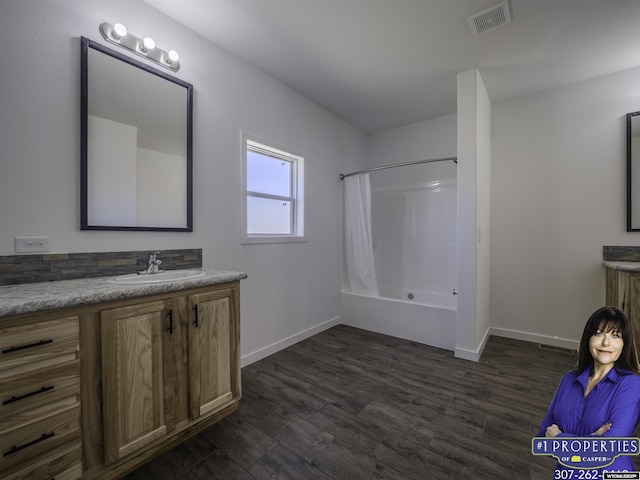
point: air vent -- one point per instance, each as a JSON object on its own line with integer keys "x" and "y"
{"x": 490, "y": 19}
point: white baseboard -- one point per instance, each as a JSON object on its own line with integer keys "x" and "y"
{"x": 472, "y": 355}
{"x": 459, "y": 352}
{"x": 264, "y": 352}
{"x": 535, "y": 338}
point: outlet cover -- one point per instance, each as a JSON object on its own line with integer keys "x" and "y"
{"x": 31, "y": 244}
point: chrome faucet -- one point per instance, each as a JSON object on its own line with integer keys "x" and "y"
{"x": 153, "y": 264}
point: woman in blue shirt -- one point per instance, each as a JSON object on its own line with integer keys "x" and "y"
{"x": 601, "y": 396}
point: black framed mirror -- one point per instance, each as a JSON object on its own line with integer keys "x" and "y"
{"x": 136, "y": 145}
{"x": 633, "y": 172}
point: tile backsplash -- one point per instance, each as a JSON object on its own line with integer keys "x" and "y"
{"x": 621, "y": 254}
{"x": 15, "y": 269}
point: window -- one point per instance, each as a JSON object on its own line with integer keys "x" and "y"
{"x": 273, "y": 194}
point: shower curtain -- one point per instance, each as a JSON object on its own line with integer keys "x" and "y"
{"x": 361, "y": 274}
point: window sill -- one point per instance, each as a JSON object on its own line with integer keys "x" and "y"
{"x": 257, "y": 239}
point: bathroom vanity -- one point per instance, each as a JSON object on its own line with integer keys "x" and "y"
{"x": 97, "y": 378}
{"x": 623, "y": 288}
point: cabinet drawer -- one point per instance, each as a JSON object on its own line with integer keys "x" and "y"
{"x": 73, "y": 473}
{"x": 29, "y": 442}
{"x": 37, "y": 345}
{"x": 25, "y": 397}
{"x": 64, "y": 463}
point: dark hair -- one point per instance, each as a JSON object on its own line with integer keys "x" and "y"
{"x": 609, "y": 319}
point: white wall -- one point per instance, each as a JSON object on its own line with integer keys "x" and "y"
{"x": 434, "y": 138}
{"x": 292, "y": 289}
{"x": 483, "y": 212}
{"x": 111, "y": 172}
{"x": 158, "y": 202}
{"x": 474, "y": 232}
{"x": 558, "y": 195}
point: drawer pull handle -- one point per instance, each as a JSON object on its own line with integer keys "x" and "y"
{"x": 17, "y": 448}
{"x": 16, "y": 398}
{"x": 195, "y": 310}
{"x": 170, "y": 313}
{"x": 29, "y": 345}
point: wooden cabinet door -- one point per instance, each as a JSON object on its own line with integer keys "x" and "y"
{"x": 175, "y": 363}
{"x": 132, "y": 373}
{"x": 623, "y": 291}
{"x": 633, "y": 307}
{"x": 211, "y": 355}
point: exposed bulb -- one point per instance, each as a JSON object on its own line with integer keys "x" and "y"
{"x": 172, "y": 56}
{"x": 119, "y": 31}
{"x": 148, "y": 44}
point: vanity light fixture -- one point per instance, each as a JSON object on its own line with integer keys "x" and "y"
{"x": 118, "y": 35}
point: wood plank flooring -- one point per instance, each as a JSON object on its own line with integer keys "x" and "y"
{"x": 351, "y": 404}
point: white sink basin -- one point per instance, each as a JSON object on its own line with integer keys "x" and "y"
{"x": 162, "y": 277}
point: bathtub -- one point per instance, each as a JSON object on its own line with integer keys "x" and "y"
{"x": 429, "y": 318}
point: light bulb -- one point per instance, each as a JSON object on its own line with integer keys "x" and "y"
{"x": 172, "y": 56}
{"x": 119, "y": 31}
{"x": 148, "y": 44}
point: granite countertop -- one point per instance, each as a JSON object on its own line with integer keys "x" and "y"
{"x": 626, "y": 266}
{"x": 35, "y": 297}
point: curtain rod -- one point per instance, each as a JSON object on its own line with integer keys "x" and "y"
{"x": 345, "y": 175}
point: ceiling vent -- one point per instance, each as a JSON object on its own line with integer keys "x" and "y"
{"x": 490, "y": 19}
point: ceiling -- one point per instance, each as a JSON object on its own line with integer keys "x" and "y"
{"x": 381, "y": 64}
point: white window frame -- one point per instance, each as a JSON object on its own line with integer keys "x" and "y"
{"x": 250, "y": 142}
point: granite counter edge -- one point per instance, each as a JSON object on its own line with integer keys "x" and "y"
{"x": 623, "y": 266}
{"x": 35, "y": 297}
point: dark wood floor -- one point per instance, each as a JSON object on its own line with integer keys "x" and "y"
{"x": 351, "y": 404}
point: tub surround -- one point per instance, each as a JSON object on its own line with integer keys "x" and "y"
{"x": 37, "y": 297}
{"x": 428, "y": 324}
